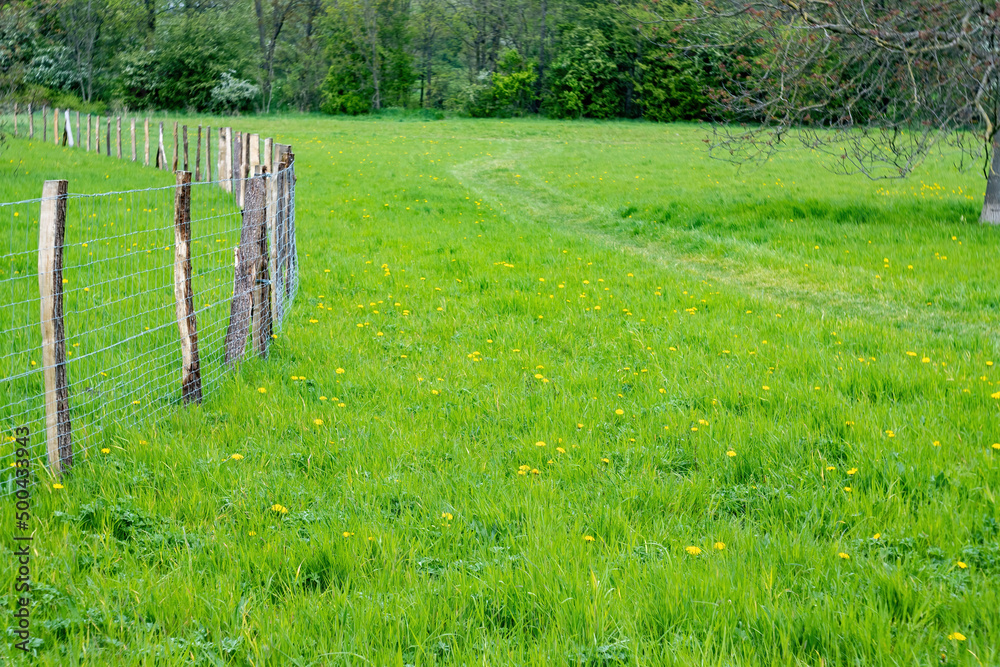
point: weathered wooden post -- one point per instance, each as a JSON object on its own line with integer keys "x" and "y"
{"x": 31, "y": 121}
{"x": 197, "y": 157}
{"x": 183, "y": 295}
{"x": 177, "y": 146}
{"x": 208, "y": 153}
{"x": 68, "y": 139}
{"x": 107, "y": 137}
{"x": 272, "y": 221}
{"x": 186, "y": 148}
{"x": 161, "y": 152}
{"x": 145, "y": 151}
{"x": 262, "y": 325}
{"x": 254, "y": 156}
{"x": 45, "y": 123}
{"x": 55, "y": 126}
{"x": 247, "y": 261}
{"x": 223, "y": 160}
{"x": 51, "y": 235}
{"x": 88, "y": 132}
{"x": 269, "y": 154}
{"x": 118, "y": 137}
{"x": 135, "y": 153}
{"x": 237, "y": 167}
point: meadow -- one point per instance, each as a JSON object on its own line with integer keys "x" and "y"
{"x": 559, "y": 393}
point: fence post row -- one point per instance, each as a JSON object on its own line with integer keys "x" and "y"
{"x": 197, "y": 157}
{"x": 51, "y": 235}
{"x": 263, "y": 325}
{"x": 246, "y": 262}
{"x": 177, "y": 147}
{"x": 183, "y": 294}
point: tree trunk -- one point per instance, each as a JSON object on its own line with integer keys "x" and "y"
{"x": 991, "y": 203}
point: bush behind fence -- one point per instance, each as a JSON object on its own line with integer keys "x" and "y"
{"x": 116, "y": 307}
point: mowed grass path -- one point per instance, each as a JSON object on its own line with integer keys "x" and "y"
{"x": 567, "y": 393}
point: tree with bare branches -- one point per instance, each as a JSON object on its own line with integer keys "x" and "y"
{"x": 875, "y": 84}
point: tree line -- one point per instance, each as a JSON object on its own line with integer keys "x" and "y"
{"x": 561, "y": 58}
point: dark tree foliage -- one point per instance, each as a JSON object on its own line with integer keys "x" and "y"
{"x": 875, "y": 85}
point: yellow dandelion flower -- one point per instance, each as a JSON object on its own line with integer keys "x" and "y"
{"x": 844, "y": 556}
{"x": 237, "y": 457}
{"x": 852, "y": 471}
{"x": 318, "y": 422}
{"x": 347, "y": 534}
{"x": 447, "y": 516}
{"x": 280, "y": 509}
{"x": 340, "y": 371}
{"x": 539, "y": 444}
{"x": 694, "y": 551}
{"x": 58, "y": 486}
{"x": 876, "y": 536}
{"x": 619, "y": 411}
{"x": 560, "y": 450}
{"x": 262, "y": 390}
{"x": 996, "y": 445}
{"x": 719, "y": 545}
{"x": 961, "y": 565}
{"x": 588, "y": 538}
{"x": 956, "y": 637}
{"x": 730, "y": 453}
{"x": 105, "y": 450}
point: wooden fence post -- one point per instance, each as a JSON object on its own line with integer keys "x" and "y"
{"x": 51, "y": 235}
{"x": 97, "y": 134}
{"x": 161, "y": 153}
{"x": 177, "y": 145}
{"x": 269, "y": 154}
{"x": 132, "y": 135}
{"x": 281, "y": 232}
{"x": 88, "y": 132}
{"x": 223, "y": 171}
{"x": 107, "y": 138}
{"x": 145, "y": 152}
{"x": 183, "y": 295}
{"x": 45, "y": 123}
{"x": 263, "y": 326}
{"x": 68, "y": 139}
{"x": 254, "y": 157}
{"x": 272, "y": 222}
{"x": 31, "y": 121}
{"x": 208, "y": 153}
{"x": 55, "y": 126}
{"x": 247, "y": 260}
{"x": 237, "y": 167}
{"x": 118, "y": 136}
{"x": 197, "y": 157}
{"x": 185, "y": 133}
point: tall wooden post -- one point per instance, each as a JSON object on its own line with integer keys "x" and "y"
{"x": 247, "y": 261}
{"x": 51, "y": 235}
{"x": 132, "y": 138}
{"x": 55, "y": 126}
{"x": 237, "y": 167}
{"x": 177, "y": 147}
{"x": 183, "y": 295}
{"x": 107, "y": 137}
{"x": 161, "y": 153}
{"x": 97, "y": 134}
{"x": 88, "y": 132}
{"x": 225, "y": 161}
{"x": 263, "y": 327}
{"x": 145, "y": 151}
{"x": 118, "y": 136}
{"x": 186, "y": 148}
{"x": 208, "y": 153}
{"x": 45, "y": 123}
{"x": 197, "y": 157}
{"x": 31, "y": 121}
{"x": 269, "y": 154}
{"x": 254, "y": 155}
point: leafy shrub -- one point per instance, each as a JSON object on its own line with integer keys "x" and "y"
{"x": 585, "y": 80}
{"x": 54, "y": 68}
{"x": 508, "y": 91}
{"x": 232, "y": 95}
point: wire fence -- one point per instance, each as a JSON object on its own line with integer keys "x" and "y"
{"x": 117, "y": 307}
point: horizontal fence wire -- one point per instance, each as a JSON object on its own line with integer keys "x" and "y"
{"x": 122, "y": 341}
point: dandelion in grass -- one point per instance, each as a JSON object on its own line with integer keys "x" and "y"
{"x": 280, "y": 509}
{"x": 852, "y": 471}
{"x": 694, "y": 551}
{"x": 105, "y": 450}
{"x": 588, "y": 538}
{"x": 560, "y": 450}
{"x": 619, "y": 411}
{"x": 348, "y": 534}
{"x": 534, "y": 471}
{"x": 847, "y": 489}
{"x": 539, "y": 444}
{"x": 844, "y": 556}
{"x": 237, "y": 457}
{"x": 340, "y": 371}
{"x": 996, "y": 445}
{"x": 956, "y": 637}
{"x": 720, "y": 546}
{"x": 876, "y": 536}
{"x": 318, "y": 422}
{"x": 58, "y": 486}
{"x": 447, "y": 516}
{"x": 730, "y": 453}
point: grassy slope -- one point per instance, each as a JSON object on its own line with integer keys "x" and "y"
{"x": 471, "y": 289}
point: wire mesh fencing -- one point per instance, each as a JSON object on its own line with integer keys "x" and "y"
{"x": 116, "y": 307}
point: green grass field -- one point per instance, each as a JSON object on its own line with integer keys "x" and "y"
{"x": 561, "y": 393}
